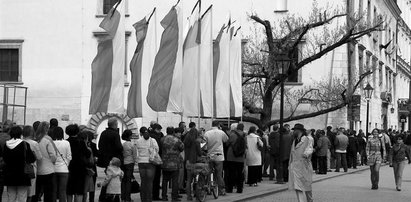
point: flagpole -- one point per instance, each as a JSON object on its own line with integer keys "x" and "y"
{"x": 199, "y": 62}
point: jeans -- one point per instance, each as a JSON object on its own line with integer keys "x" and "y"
{"x": 17, "y": 193}
{"x": 128, "y": 170}
{"x": 322, "y": 164}
{"x": 218, "y": 173}
{"x": 156, "y": 182}
{"x": 147, "y": 172}
{"x": 341, "y": 159}
{"x": 235, "y": 176}
{"x": 190, "y": 178}
{"x": 60, "y": 180}
{"x": 328, "y": 160}
{"x": 266, "y": 163}
{"x": 398, "y": 170}
{"x": 170, "y": 177}
{"x": 45, "y": 183}
{"x": 375, "y": 174}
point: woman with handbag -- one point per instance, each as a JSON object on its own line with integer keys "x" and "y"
{"x": 145, "y": 147}
{"x": 253, "y": 157}
{"x": 18, "y": 170}
{"x": 28, "y": 135}
{"x": 62, "y": 162}
{"x": 130, "y": 157}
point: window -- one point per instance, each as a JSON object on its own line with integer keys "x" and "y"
{"x": 10, "y": 61}
{"x": 104, "y": 6}
{"x": 369, "y": 12}
{"x": 280, "y": 6}
{"x": 295, "y": 77}
{"x": 107, "y": 5}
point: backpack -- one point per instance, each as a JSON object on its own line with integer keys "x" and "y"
{"x": 239, "y": 145}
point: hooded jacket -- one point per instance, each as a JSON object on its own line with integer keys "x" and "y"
{"x": 16, "y": 154}
{"x": 113, "y": 180}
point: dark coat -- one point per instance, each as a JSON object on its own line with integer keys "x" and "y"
{"x": 287, "y": 142}
{"x": 77, "y": 166}
{"x": 274, "y": 142}
{"x": 109, "y": 146}
{"x": 157, "y": 137}
{"x": 352, "y": 145}
{"x": 14, "y": 164}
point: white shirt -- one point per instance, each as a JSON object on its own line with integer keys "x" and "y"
{"x": 215, "y": 139}
{"x": 63, "y": 156}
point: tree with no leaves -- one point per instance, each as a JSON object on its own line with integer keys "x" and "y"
{"x": 322, "y": 32}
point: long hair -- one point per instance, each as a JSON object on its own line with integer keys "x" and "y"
{"x": 42, "y": 130}
{"x": 191, "y": 137}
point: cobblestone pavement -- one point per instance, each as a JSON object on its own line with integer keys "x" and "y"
{"x": 354, "y": 187}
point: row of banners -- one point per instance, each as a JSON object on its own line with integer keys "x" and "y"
{"x": 188, "y": 73}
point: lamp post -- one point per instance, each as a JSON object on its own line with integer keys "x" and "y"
{"x": 282, "y": 62}
{"x": 368, "y": 93}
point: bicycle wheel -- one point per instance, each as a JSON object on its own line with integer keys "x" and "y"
{"x": 201, "y": 194}
{"x": 214, "y": 189}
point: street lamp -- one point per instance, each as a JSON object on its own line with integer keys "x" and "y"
{"x": 368, "y": 93}
{"x": 282, "y": 62}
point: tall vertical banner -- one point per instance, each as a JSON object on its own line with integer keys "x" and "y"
{"x": 222, "y": 83}
{"x": 206, "y": 65}
{"x": 107, "y": 76}
{"x": 216, "y": 61}
{"x": 191, "y": 61}
{"x": 236, "y": 96}
{"x": 164, "y": 90}
{"x": 141, "y": 66}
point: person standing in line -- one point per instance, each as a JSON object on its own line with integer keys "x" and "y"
{"x": 192, "y": 150}
{"x": 301, "y": 170}
{"x": 147, "y": 170}
{"x": 172, "y": 147}
{"x": 253, "y": 156}
{"x": 130, "y": 158}
{"x": 215, "y": 139}
{"x": 28, "y": 135}
{"x": 62, "y": 162}
{"x": 331, "y": 152}
{"x": 109, "y": 146}
{"x": 4, "y": 136}
{"x": 341, "y": 143}
{"x": 397, "y": 159}
{"x": 16, "y": 154}
{"x": 274, "y": 147}
{"x": 114, "y": 174}
{"x": 286, "y": 149}
{"x": 95, "y": 154}
{"x": 323, "y": 145}
{"x": 352, "y": 150}
{"x": 266, "y": 155}
{"x": 375, "y": 150}
{"x": 362, "y": 142}
{"x": 156, "y": 134}
{"x": 235, "y": 158}
{"x": 45, "y": 166}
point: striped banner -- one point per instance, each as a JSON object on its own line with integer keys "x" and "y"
{"x": 107, "y": 83}
{"x": 142, "y": 64}
{"x": 164, "y": 91}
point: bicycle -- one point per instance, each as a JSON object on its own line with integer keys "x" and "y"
{"x": 204, "y": 180}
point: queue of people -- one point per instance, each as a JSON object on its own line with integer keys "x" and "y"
{"x": 37, "y": 162}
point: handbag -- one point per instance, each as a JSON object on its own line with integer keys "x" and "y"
{"x": 28, "y": 167}
{"x": 154, "y": 157}
{"x": 135, "y": 186}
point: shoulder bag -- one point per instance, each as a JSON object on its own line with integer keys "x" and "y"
{"x": 154, "y": 158}
{"x": 28, "y": 167}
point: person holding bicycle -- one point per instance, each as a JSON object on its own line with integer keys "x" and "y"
{"x": 215, "y": 139}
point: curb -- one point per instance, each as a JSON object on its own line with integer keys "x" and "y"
{"x": 285, "y": 188}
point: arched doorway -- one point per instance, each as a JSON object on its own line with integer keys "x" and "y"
{"x": 98, "y": 123}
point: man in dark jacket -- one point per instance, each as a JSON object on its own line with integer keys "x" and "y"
{"x": 156, "y": 134}
{"x": 235, "y": 162}
{"x": 323, "y": 146}
{"x": 331, "y": 154}
{"x": 352, "y": 150}
{"x": 274, "y": 147}
{"x": 4, "y": 136}
{"x": 286, "y": 150}
{"x": 109, "y": 145}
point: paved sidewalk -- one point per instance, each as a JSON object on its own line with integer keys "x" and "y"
{"x": 264, "y": 188}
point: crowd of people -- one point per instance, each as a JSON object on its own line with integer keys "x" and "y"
{"x": 37, "y": 162}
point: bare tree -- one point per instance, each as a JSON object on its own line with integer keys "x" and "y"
{"x": 323, "y": 31}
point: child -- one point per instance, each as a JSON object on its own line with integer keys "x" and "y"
{"x": 113, "y": 180}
